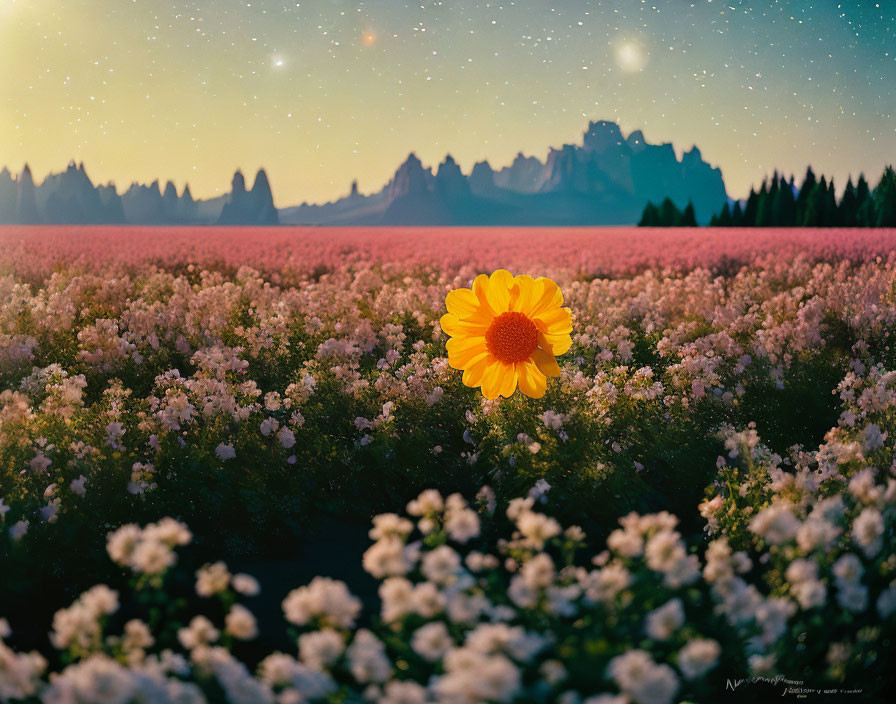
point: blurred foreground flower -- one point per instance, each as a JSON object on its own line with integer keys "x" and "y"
{"x": 507, "y": 331}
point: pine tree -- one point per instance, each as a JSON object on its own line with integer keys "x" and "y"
{"x": 784, "y": 205}
{"x": 670, "y": 215}
{"x": 778, "y": 204}
{"x": 885, "y": 200}
{"x": 848, "y": 205}
{"x": 724, "y": 219}
{"x": 864, "y": 205}
{"x": 751, "y": 210}
{"x": 802, "y": 198}
{"x": 831, "y": 214}
{"x": 650, "y": 217}
{"x": 765, "y": 207}
{"x": 813, "y": 216}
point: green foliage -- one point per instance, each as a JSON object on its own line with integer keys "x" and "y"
{"x": 667, "y": 214}
{"x": 815, "y": 205}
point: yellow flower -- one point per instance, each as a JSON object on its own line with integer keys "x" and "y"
{"x": 506, "y": 331}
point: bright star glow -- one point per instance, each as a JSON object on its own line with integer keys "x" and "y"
{"x": 631, "y": 56}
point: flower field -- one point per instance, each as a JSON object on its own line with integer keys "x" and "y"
{"x": 289, "y": 254}
{"x": 240, "y": 465}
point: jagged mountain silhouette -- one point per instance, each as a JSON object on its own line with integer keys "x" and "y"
{"x": 607, "y": 179}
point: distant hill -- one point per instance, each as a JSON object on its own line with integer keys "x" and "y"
{"x": 606, "y": 180}
{"x": 69, "y": 197}
{"x": 255, "y": 207}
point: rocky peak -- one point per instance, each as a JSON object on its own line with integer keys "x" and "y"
{"x": 170, "y": 202}
{"x": 26, "y": 198}
{"x": 636, "y": 141}
{"x": 602, "y": 135}
{"x": 482, "y": 177}
{"x": 262, "y": 207}
{"x": 261, "y": 184}
{"x": 7, "y": 196}
{"x": 692, "y": 156}
{"x": 525, "y": 174}
{"x": 410, "y": 177}
{"x": 450, "y": 180}
{"x": 255, "y": 207}
{"x": 562, "y": 169}
{"x": 238, "y": 184}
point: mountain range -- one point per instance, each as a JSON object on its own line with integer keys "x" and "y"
{"x": 605, "y": 180}
{"x": 71, "y": 198}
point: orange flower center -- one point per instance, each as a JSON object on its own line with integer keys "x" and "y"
{"x": 512, "y": 337}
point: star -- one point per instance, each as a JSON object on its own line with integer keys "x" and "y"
{"x": 630, "y": 56}
{"x": 479, "y": 80}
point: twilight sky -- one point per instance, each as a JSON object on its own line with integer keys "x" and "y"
{"x": 323, "y": 91}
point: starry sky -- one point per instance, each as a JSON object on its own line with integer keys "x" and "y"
{"x": 323, "y": 91}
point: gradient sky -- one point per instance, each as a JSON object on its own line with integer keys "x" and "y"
{"x": 322, "y": 91}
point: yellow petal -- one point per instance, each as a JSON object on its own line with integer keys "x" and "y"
{"x": 532, "y": 382}
{"x": 523, "y": 293}
{"x": 547, "y": 296}
{"x": 457, "y": 344}
{"x": 472, "y": 361}
{"x": 477, "y": 323}
{"x": 462, "y": 302}
{"x": 546, "y": 362}
{"x": 475, "y": 371}
{"x": 556, "y": 344}
{"x": 450, "y": 324}
{"x": 480, "y": 288}
{"x": 471, "y": 327}
{"x": 491, "y": 380}
{"x": 498, "y": 291}
{"x": 557, "y": 320}
{"x": 507, "y": 384}
{"x": 463, "y": 350}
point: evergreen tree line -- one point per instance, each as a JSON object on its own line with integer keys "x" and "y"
{"x": 780, "y": 204}
{"x": 667, "y": 214}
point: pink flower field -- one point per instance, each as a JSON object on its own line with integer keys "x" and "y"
{"x": 35, "y": 251}
{"x": 243, "y": 465}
